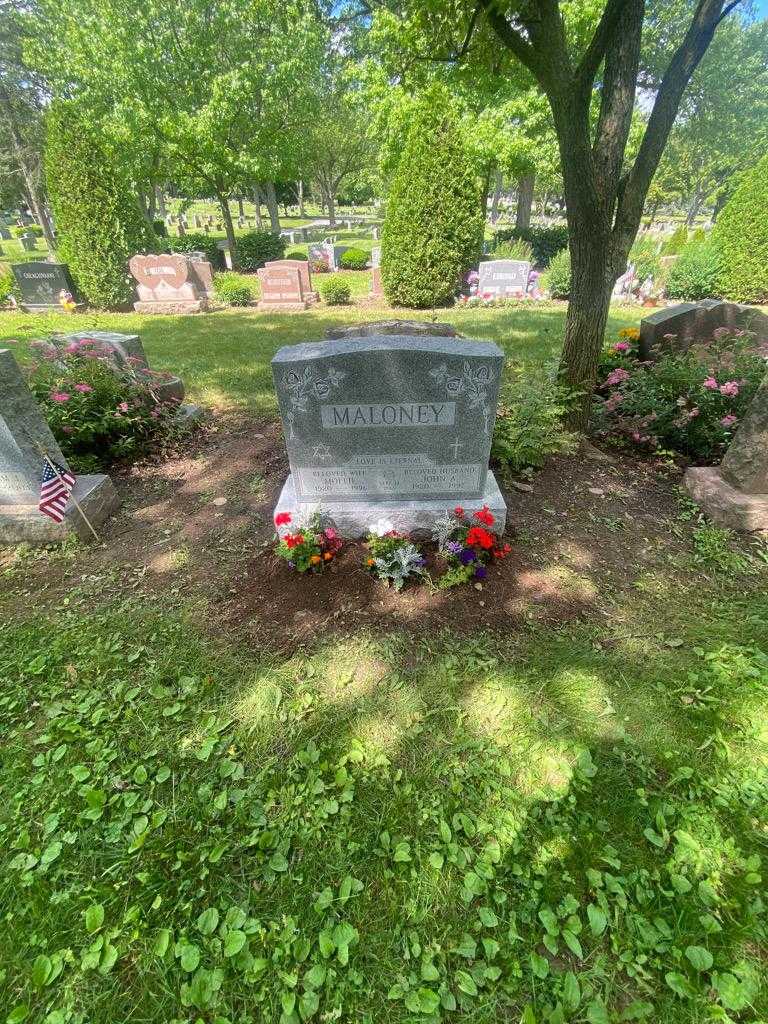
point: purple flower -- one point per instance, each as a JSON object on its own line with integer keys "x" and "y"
{"x": 421, "y": 561}
{"x": 292, "y": 565}
{"x": 481, "y": 572}
{"x": 467, "y": 555}
{"x": 455, "y": 547}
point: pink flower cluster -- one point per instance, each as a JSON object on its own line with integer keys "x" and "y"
{"x": 621, "y": 346}
{"x": 729, "y": 420}
{"x": 730, "y": 389}
{"x": 617, "y": 376}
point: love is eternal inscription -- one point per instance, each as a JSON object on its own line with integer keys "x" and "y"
{"x": 399, "y": 424}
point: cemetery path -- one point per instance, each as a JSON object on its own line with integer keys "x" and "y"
{"x": 197, "y": 527}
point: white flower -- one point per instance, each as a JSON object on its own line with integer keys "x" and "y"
{"x": 381, "y": 527}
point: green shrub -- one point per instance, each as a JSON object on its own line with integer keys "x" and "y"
{"x": 98, "y": 222}
{"x": 529, "y": 420}
{"x": 558, "y": 277}
{"x": 354, "y": 259}
{"x": 8, "y": 284}
{"x": 28, "y": 229}
{"x": 514, "y": 249}
{"x": 232, "y": 289}
{"x": 645, "y": 257}
{"x": 676, "y": 242}
{"x": 255, "y": 248}
{"x": 195, "y": 242}
{"x": 741, "y": 236}
{"x": 97, "y": 412}
{"x": 691, "y": 403}
{"x": 546, "y": 242}
{"x": 694, "y": 274}
{"x": 161, "y": 231}
{"x": 433, "y": 227}
{"x": 335, "y": 291}
{"x": 295, "y": 254}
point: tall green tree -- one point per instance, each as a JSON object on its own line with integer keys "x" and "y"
{"x": 225, "y": 88}
{"x": 433, "y": 227}
{"x": 579, "y": 54}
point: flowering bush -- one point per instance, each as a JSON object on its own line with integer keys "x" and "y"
{"x": 467, "y": 545}
{"x": 690, "y": 402}
{"x": 393, "y": 556}
{"x": 310, "y": 547}
{"x": 97, "y": 410}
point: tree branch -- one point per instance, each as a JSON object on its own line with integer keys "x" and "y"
{"x": 708, "y": 15}
{"x": 513, "y": 40}
{"x": 595, "y": 52}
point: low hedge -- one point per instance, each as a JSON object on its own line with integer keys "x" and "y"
{"x": 255, "y": 248}
{"x": 545, "y": 241}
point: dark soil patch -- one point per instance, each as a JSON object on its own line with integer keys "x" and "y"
{"x": 198, "y": 525}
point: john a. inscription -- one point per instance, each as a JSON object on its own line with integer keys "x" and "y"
{"x": 401, "y": 414}
{"x": 385, "y": 475}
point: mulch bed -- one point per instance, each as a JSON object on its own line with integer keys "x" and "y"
{"x": 199, "y": 524}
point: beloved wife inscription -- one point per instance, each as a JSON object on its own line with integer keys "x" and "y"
{"x": 387, "y": 418}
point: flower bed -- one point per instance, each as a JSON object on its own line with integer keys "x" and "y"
{"x": 689, "y": 402}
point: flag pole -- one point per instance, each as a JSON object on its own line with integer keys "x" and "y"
{"x": 75, "y": 502}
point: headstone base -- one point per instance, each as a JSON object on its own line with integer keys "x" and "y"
{"x": 198, "y": 306}
{"x": 283, "y": 307}
{"x": 724, "y": 503}
{"x": 354, "y": 519}
{"x": 26, "y": 524}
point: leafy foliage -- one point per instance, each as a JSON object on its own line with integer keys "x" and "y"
{"x": 691, "y": 402}
{"x": 546, "y": 242}
{"x": 233, "y": 289}
{"x": 433, "y": 226}
{"x": 676, "y": 242}
{"x": 645, "y": 258}
{"x": 529, "y": 420}
{"x": 695, "y": 273}
{"x": 97, "y": 411}
{"x": 741, "y": 236}
{"x": 514, "y": 249}
{"x": 99, "y": 224}
{"x": 335, "y": 291}
{"x": 558, "y": 275}
{"x": 255, "y": 248}
{"x": 195, "y": 242}
{"x": 354, "y": 259}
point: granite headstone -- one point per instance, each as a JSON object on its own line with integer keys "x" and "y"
{"x": 389, "y": 426}
{"x": 41, "y": 283}
{"x": 503, "y": 278}
{"x": 286, "y": 285}
{"x": 24, "y": 439}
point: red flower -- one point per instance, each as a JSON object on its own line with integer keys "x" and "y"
{"x": 294, "y": 539}
{"x": 477, "y": 536}
{"x": 459, "y": 511}
{"x": 282, "y": 518}
{"x": 485, "y": 516}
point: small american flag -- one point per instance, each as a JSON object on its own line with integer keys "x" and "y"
{"x": 55, "y": 491}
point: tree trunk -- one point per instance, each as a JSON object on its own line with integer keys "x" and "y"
{"x": 257, "y": 203}
{"x": 497, "y": 186}
{"x": 524, "y": 202}
{"x": 330, "y": 202}
{"x": 694, "y": 208}
{"x": 302, "y": 211}
{"x": 720, "y": 202}
{"x": 141, "y": 202}
{"x": 592, "y": 281}
{"x": 160, "y": 200}
{"x": 27, "y": 173}
{"x": 226, "y": 216}
{"x": 272, "y": 207}
{"x": 240, "y": 209}
{"x": 652, "y": 212}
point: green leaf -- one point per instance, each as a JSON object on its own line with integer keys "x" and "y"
{"x": 573, "y": 944}
{"x": 94, "y": 918}
{"x": 597, "y": 1012}
{"x": 549, "y": 919}
{"x": 487, "y": 917}
{"x": 208, "y": 921}
{"x": 429, "y": 1001}
{"x": 17, "y": 1014}
{"x": 680, "y": 985}
{"x": 162, "y": 942}
{"x": 467, "y": 947}
{"x": 429, "y": 972}
{"x": 42, "y": 969}
{"x": 465, "y": 983}
{"x": 402, "y": 853}
{"x": 597, "y": 919}
{"x": 731, "y": 993}
{"x": 699, "y": 957}
{"x": 309, "y": 1004}
{"x": 436, "y": 860}
{"x": 528, "y": 1017}
{"x": 190, "y": 957}
{"x": 50, "y": 854}
{"x": 539, "y": 965}
{"x": 234, "y": 942}
{"x": 278, "y": 863}
{"x": 680, "y": 884}
{"x": 571, "y": 991}
{"x": 638, "y": 1010}
{"x": 108, "y": 958}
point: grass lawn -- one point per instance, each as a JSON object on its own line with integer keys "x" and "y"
{"x": 536, "y": 823}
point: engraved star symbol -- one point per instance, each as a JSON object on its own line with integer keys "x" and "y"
{"x": 321, "y": 451}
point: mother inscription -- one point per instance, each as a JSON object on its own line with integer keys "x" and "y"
{"x": 394, "y": 426}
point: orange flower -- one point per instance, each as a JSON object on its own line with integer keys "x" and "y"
{"x": 327, "y": 556}
{"x": 315, "y": 559}
{"x": 371, "y": 561}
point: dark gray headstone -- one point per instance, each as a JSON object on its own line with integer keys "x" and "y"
{"x": 395, "y": 425}
{"x": 41, "y": 283}
{"x": 413, "y": 328}
{"x": 678, "y": 327}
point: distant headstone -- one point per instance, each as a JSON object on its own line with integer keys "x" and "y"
{"x": 5, "y": 233}
{"x": 375, "y": 233}
{"x": 24, "y": 437}
{"x": 412, "y": 328}
{"x": 41, "y": 284}
{"x": 223, "y": 246}
{"x": 201, "y": 272}
{"x": 28, "y": 241}
{"x": 165, "y": 283}
{"x": 503, "y": 278}
{"x": 197, "y": 221}
{"x": 286, "y": 286}
{"x": 376, "y": 287}
{"x": 395, "y": 427}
